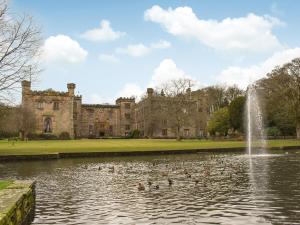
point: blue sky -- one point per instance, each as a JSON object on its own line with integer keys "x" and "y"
{"x": 145, "y": 43}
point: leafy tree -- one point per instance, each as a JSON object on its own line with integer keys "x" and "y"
{"x": 219, "y": 122}
{"x": 236, "y": 111}
{"x": 282, "y": 87}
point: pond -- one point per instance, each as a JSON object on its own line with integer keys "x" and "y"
{"x": 202, "y": 189}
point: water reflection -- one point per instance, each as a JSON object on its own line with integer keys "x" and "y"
{"x": 206, "y": 189}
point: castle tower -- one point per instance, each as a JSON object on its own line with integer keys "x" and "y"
{"x": 71, "y": 88}
{"x": 26, "y": 88}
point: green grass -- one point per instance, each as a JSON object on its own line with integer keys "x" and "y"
{"x": 4, "y": 183}
{"x": 107, "y": 145}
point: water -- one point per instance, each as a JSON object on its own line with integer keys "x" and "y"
{"x": 255, "y": 126}
{"x": 232, "y": 189}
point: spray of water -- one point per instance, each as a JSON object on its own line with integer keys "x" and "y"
{"x": 255, "y": 127}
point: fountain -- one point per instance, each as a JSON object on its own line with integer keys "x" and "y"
{"x": 255, "y": 128}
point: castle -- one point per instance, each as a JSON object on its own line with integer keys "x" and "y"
{"x": 56, "y": 112}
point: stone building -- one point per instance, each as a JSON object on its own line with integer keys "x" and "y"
{"x": 56, "y": 112}
{"x": 153, "y": 118}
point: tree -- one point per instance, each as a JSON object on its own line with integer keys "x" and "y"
{"x": 221, "y": 96}
{"x": 219, "y": 122}
{"x": 177, "y": 106}
{"x": 236, "y": 111}
{"x": 233, "y": 92}
{"x": 19, "y": 46}
{"x": 25, "y": 121}
{"x": 282, "y": 87}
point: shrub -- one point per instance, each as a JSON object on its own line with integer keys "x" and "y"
{"x": 273, "y": 131}
{"x": 134, "y": 134}
{"x": 35, "y": 136}
{"x": 5, "y": 134}
{"x": 64, "y": 136}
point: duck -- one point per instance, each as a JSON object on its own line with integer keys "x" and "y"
{"x": 141, "y": 187}
{"x": 157, "y": 187}
{"x": 164, "y": 174}
{"x": 196, "y": 181}
{"x": 112, "y": 169}
{"x": 149, "y": 183}
{"x": 99, "y": 168}
{"x": 170, "y": 181}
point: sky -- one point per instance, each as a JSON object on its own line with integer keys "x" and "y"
{"x": 119, "y": 48}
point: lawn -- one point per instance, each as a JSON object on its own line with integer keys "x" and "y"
{"x": 4, "y": 184}
{"x": 115, "y": 145}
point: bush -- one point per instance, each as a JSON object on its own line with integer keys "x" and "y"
{"x": 134, "y": 134}
{"x": 35, "y": 136}
{"x": 273, "y": 131}
{"x": 5, "y": 134}
{"x": 92, "y": 136}
{"x": 64, "y": 136}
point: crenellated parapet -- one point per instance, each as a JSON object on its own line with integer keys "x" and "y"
{"x": 48, "y": 92}
{"x": 124, "y": 99}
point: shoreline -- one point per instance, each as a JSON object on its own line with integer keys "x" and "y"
{"x": 64, "y": 155}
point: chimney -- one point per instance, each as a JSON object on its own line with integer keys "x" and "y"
{"x": 71, "y": 88}
{"x": 150, "y": 92}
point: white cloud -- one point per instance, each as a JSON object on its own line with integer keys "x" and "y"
{"x": 161, "y": 44}
{"x": 62, "y": 49}
{"x": 102, "y": 33}
{"x": 242, "y": 76}
{"x": 108, "y": 58}
{"x": 166, "y": 71}
{"x": 137, "y": 50}
{"x": 251, "y": 33}
{"x": 98, "y": 99}
{"x": 140, "y": 50}
{"x": 131, "y": 90}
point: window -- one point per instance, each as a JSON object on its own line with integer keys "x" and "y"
{"x": 110, "y": 114}
{"x": 48, "y": 125}
{"x": 186, "y": 132}
{"x": 91, "y": 129}
{"x": 127, "y": 105}
{"x": 75, "y": 116}
{"x": 75, "y": 106}
{"x": 164, "y": 132}
{"x": 102, "y": 125}
{"x": 56, "y": 106}
{"x": 127, "y": 116}
{"x": 40, "y": 105}
{"x": 90, "y": 113}
{"x": 127, "y": 127}
{"x": 164, "y": 122}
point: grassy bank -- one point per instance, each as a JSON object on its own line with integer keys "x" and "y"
{"x": 55, "y": 146}
{"x": 4, "y": 184}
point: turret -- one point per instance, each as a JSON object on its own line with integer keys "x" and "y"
{"x": 26, "y": 87}
{"x": 150, "y": 92}
{"x": 71, "y": 89}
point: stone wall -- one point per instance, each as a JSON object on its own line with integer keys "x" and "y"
{"x": 17, "y": 203}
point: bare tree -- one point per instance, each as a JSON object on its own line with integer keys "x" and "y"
{"x": 19, "y": 45}
{"x": 26, "y": 122}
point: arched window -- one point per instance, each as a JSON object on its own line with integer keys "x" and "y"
{"x": 48, "y": 125}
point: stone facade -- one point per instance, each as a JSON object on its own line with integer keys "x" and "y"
{"x": 56, "y": 112}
